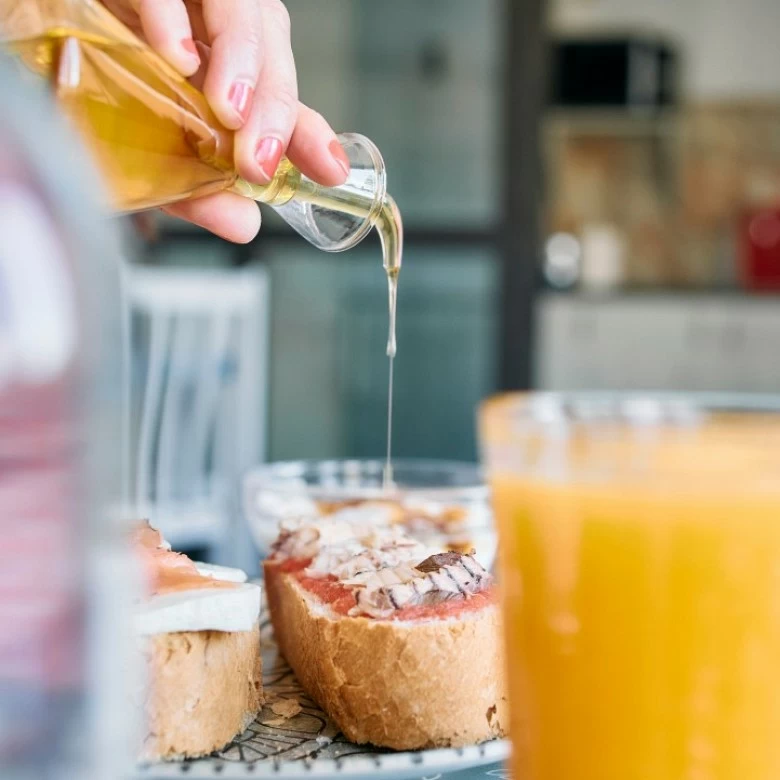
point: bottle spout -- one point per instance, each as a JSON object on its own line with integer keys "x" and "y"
{"x": 331, "y": 218}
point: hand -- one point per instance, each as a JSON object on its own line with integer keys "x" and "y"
{"x": 239, "y": 53}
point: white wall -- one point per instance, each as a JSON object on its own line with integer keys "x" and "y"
{"x": 731, "y": 48}
{"x": 736, "y": 48}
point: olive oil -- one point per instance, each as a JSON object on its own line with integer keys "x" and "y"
{"x": 157, "y": 142}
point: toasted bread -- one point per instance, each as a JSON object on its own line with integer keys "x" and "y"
{"x": 205, "y": 688}
{"x": 394, "y": 683}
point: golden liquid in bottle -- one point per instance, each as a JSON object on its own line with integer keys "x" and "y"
{"x": 153, "y": 135}
{"x": 156, "y": 140}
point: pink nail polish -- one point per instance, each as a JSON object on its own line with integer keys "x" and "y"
{"x": 240, "y": 97}
{"x": 340, "y": 156}
{"x": 268, "y": 154}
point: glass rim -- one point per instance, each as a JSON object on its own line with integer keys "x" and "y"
{"x": 379, "y": 195}
{"x": 649, "y": 441}
{"x": 285, "y": 477}
{"x": 634, "y": 406}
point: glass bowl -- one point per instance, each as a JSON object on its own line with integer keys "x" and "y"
{"x": 442, "y": 503}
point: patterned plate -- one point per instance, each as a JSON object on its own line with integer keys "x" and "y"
{"x": 293, "y": 738}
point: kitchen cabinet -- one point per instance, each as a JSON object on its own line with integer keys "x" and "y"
{"x": 705, "y": 342}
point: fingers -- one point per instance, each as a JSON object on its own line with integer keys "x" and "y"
{"x": 229, "y": 216}
{"x": 198, "y": 78}
{"x": 248, "y": 76}
{"x": 235, "y": 29}
{"x": 315, "y": 149}
{"x": 264, "y": 137}
{"x": 166, "y": 27}
{"x": 254, "y": 35}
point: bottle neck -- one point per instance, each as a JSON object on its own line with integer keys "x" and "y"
{"x": 258, "y": 192}
{"x": 331, "y": 218}
{"x": 280, "y": 190}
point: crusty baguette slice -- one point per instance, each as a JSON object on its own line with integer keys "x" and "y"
{"x": 403, "y": 685}
{"x": 205, "y": 688}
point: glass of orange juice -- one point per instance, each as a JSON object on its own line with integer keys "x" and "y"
{"x": 640, "y": 558}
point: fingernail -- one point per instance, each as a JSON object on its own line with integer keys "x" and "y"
{"x": 340, "y": 156}
{"x": 268, "y": 154}
{"x": 189, "y": 46}
{"x": 240, "y": 97}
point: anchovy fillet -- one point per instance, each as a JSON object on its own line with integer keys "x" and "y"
{"x": 381, "y": 593}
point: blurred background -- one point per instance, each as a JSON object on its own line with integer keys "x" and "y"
{"x": 591, "y": 197}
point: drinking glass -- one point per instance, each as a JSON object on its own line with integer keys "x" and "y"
{"x": 639, "y": 548}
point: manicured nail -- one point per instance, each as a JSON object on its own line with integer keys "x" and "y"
{"x": 189, "y": 46}
{"x": 340, "y": 156}
{"x": 268, "y": 154}
{"x": 240, "y": 97}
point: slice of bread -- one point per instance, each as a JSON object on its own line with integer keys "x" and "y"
{"x": 205, "y": 687}
{"x": 198, "y": 630}
{"x": 398, "y": 684}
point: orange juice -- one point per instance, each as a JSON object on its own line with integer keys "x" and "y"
{"x": 641, "y": 578}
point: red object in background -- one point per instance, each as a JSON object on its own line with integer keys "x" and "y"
{"x": 759, "y": 251}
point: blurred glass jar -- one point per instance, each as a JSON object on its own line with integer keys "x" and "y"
{"x": 443, "y": 503}
{"x": 62, "y": 569}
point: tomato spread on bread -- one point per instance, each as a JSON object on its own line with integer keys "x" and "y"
{"x": 364, "y": 568}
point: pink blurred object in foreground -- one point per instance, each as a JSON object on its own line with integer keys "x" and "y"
{"x": 41, "y": 571}
{"x": 61, "y": 577}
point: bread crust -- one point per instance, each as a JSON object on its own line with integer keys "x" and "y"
{"x": 397, "y": 684}
{"x": 205, "y": 687}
